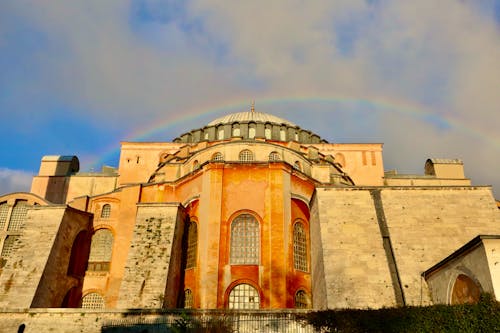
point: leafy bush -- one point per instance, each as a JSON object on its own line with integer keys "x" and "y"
{"x": 481, "y": 317}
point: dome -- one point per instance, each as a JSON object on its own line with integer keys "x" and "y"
{"x": 249, "y": 116}
{"x": 250, "y": 125}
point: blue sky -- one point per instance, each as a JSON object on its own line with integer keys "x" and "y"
{"x": 78, "y": 77}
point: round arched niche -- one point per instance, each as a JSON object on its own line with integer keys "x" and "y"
{"x": 465, "y": 290}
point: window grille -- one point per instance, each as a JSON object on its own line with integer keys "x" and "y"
{"x": 92, "y": 301}
{"x": 192, "y": 245}
{"x": 8, "y": 244}
{"x": 244, "y": 296}
{"x": 246, "y": 156}
{"x": 106, "y": 211}
{"x": 101, "y": 248}
{"x": 267, "y": 133}
{"x": 282, "y": 135}
{"x": 245, "y": 242}
{"x": 217, "y": 157}
{"x": 4, "y": 211}
{"x": 301, "y": 300}
{"x": 18, "y": 215}
{"x": 274, "y": 156}
{"x": 299, "y": 247}
{"x": 251, "y": 132}
{"x": 220, "y": 134}
{"x": 188, "y": 299}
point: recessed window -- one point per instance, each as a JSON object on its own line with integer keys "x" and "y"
{"x": 245, "y": 240}
{"x": 301, "y": 300}
{"x": 217, "y": 157}
{"x": 196, "y": 165}
{"x": 106, "y": 211}
{"x": 251, "y": 132}
{"x": 274, "y": 156}
{"x": 283, "y": 134}
{"x": 188, "y": 299}
{"x": 18, "y": 215}
{"x": 192, "y": 245}
{"x": 92, "y": 301}
{"x": 220, "y": 133}
{"x": 246, "y": 156}
{"x": 236, "y": 130}
{"x": 8, "y": 244}
{"x": 299, "y": 247}
{"x": 101, "y": 248}
{"x": 244, "y": 296}
{"x": 267, "y": 133}
{"x": 4, "y": 211}
{"x": 297, "y": 166}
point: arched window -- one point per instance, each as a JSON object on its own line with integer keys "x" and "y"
{"x": 246, "y": 156}
{"x": 217, "y": 157}
{"x": 301, "y": 300}
{"x": 244, "y": 296}
{"x": 245, "y": 240}
{"x": 188, "y": 299}
{"x": 18, "y": 215}
{"x": 296, "y": 136}
{"x": 283, "y": 134}
{"x": 92, "y": 301}
{"x": 106, "y": 211}
{"x": 251, "y": 132}
{"x": 4, "y": 211}
{"x": 220, "y": 133}
{"x": 196, "y": 165}
{"x": 236, "y": 130}
{"x": 274, "y": 156}
{"x": 8, "y": 244}
{"x": 299, "y": 247}
{"x": 101, "y": 248}
{"x": 267, "y": 132}
{"x": 296, "y": 166}
{"x": 192, "y": 245}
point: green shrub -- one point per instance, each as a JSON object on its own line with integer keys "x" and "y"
{"x": 481, "y": 317}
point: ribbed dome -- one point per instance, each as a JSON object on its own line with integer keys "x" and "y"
{"x": 250, "y": 116}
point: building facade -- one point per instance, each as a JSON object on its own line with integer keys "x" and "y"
{"x": 248, "y": 212}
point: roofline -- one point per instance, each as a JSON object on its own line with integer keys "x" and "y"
{"x": 472, "y": 244}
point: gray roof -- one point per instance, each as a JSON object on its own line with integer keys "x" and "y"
{"x": 248, "y": 116}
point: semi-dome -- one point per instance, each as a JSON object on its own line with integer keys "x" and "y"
{"x": 250, "y": 125}
{"x": 249, "y": 116}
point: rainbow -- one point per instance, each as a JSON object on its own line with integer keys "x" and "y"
{"x": 443, "y": 120}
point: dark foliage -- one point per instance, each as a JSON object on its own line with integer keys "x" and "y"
{"x": 481, "y": 317}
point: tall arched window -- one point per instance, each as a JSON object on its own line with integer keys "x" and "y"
{"x": 251, "y": 131}
{"x": 101, "y": 248}
{"x": 299, "y": 247}
{"x": 244, "y": 296}
{"x": 245, "y": 156}
{"x": 301, "y": 300}
{"x": 92, "y": 301}
{"x": 245, "y": 240}
{"x": 283, "y": 134}
{"x": 236, "y": 130}
{"x": 192, "y": 245}
{"x": 106, "y": 211}
{"x": 274, "y": 156}
{"x": 217, "y": 157}
{"x": 4, "y": 211}
{"x": 188, "y": 299}
{"x": 220, "y": 133}
{"x": 268, "y": 132}
{"x": 18, "y": 215}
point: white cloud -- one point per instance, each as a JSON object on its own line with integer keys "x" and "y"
{"x": 438, "y": 56}
{"x": 14, "y": 181}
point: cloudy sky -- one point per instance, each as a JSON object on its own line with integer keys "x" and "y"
{"x": 78, "y": 77}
